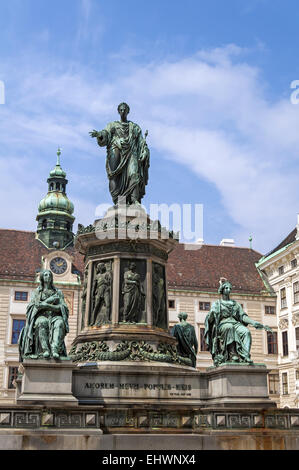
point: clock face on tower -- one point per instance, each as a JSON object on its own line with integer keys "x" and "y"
{"x": 58, "y": 265}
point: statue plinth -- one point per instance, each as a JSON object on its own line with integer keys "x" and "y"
{"x": 46, "y": 382}
{"x": 238, "y": 385}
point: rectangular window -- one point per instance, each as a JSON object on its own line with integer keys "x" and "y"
{"x": 12, "y": 375}
{"x": 21, "y": 296}
{"x": 270, "y": 309}
{"x": 285, "y": 345}
{"x": 17, "y": 325}
{"x": 297, "y": 338}
{"x": 296, "y": 292}
{"x": 283, "y": 298}
{"x": 294, "y": 263}
{"x": 204, "y": 306}
{"x": 272, "y": 342}
{"x": 274, "y": 384}
{"x": 203, "y": 344}
{"x": 285, "y": 388}
{"x": 280, "y": 270}
{"x": 171, "y": 303}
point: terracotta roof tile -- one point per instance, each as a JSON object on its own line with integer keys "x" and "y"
{"x": 201, "y": 269}
{"x": 21, "y": 252}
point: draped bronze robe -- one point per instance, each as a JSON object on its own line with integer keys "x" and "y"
{"x": 127, "y": 160}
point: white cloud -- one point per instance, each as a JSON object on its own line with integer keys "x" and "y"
{"x": 208, "y": 112}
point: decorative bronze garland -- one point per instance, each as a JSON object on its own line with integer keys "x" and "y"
{"x": 129, "y": 350}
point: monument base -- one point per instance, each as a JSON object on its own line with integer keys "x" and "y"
{"x": 46, "y": 382}
{"x": 124, "y": 383}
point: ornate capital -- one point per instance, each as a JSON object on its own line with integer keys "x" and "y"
{"x": 283, "y": 324}
{"x": 295, "y": 319}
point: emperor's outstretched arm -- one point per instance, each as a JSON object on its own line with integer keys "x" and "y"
{"x": 102, "y": 137}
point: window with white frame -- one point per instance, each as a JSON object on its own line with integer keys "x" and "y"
{"x": 283, "y": 298}
{"x": 285, "y": 343}
{"x": 281, "y": 270}
{"x": 21, "y": 296}
{"x": 204, "y": 306}
{"x": 270, "y": 309}
{"x": 294, "y": 263}
{"x": 272, "y": 342}
{"x": 273, "y": 380}
{"x": 296, "y": 292}
{"x": 17, "y": 325}
{"x": 12, "y": 375}
{"x": 285, "y": 385}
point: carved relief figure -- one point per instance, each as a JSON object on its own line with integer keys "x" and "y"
{"x": 83, "y": 297}
{"x": 127, "y": 160}
{"x": 133, "y": 295}
{"x": 159, "y": 297}
{"x": 186, "y": 337}
{"x": 46, "y": 322}
{"x": 101, "y": 295}
{"x": 226, "y": 333}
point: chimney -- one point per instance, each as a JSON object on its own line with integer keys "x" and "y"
{"x": 227, "y": 242}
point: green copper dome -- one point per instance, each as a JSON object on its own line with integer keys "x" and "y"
{"x": 57, "y": 172}
{"x": 56, "y": 201}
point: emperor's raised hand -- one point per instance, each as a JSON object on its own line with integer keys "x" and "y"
{"x": 94, "y": 133}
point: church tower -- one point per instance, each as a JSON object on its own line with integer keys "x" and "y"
{"x": 55, "y": 219}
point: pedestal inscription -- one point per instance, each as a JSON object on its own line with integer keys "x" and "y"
{"x": 103, "y": 386}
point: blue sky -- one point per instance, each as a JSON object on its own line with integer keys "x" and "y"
{"x": 210, "y": 80}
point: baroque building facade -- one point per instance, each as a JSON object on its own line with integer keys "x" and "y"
{"x": 281, "y": 266}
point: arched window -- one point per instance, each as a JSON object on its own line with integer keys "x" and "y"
{"x": 63, "y": 188}
{"x": 57, "y": 186}
{"x": 68, "y": 226}
{"x": 44, "y": 224}
{"x": 51, "y": 186}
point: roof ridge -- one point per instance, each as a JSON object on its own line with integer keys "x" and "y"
{"x": 17, "y": 230}
{"x": 220, "y": 246}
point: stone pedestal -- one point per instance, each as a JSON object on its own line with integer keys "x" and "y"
{"x": 46, "y": 382}
{"x": 237, "y": 385}
{"x": 151, "y": 385}
{"x": 140, "y": 385}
